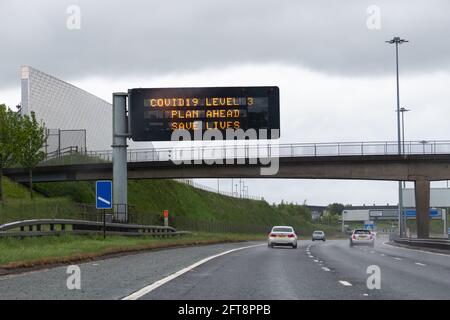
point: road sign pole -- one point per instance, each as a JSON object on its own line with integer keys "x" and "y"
{"x": 444, "y": 215}
{"x": 120, "y": 134}
{"x": 104, "y": 224}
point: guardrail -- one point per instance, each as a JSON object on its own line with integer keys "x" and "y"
{"x": 222, "y": 150}
{"x": 50, "y": 227}
{"x": 434, "y": 243}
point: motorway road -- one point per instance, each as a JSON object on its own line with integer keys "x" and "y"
{"x": 316, "y": 270}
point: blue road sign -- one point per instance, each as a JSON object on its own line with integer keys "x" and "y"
{"x": 369, "y": 225}
{"x": 448, "y": 231}
{"x": 411, "y": 213}
{"x": 103, "y": 194}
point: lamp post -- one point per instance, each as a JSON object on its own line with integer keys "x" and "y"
{"x": 397, "y": 41}
{"x": 403, "y": 110}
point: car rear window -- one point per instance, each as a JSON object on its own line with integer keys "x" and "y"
{"x": 318, "y": 232}
{"x": 282, "y": 230}
{"x": 362, "y": 232}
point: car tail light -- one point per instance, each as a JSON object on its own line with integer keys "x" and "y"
{"x": 370, "y": 237}
{"x": 272, "y": 235}
{"x": 291, "y": 235}
{"x": 353, "y": 237}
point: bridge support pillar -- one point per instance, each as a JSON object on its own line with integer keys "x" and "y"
{"x": 422, "y": 194}
{"x": 120, "y": 178}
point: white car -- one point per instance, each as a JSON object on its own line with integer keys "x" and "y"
{"x": 283, "y": 236}
{"x": 362, "y": 237}
{"x": 318, "y": 235}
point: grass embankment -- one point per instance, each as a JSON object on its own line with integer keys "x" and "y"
{"x": 218, "y": 218}
{"x": 19, "y": 206}
{"x": 34, "y": 252}
{"x": 194, "y": 209}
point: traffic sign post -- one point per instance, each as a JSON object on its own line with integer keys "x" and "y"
{"x": 103, "y": 192}
{"x": 369, "y": 225}
{"x": 103, "y": 199}
{"x": 155, "y": 114}
{"x": 166, "y": 218}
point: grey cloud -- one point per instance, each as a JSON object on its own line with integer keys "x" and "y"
{"x": 121, "y": 38}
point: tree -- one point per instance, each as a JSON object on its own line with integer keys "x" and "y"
{"x": 32, "y": 137}
{"x": 335, "y": 208}
{"x": 9, "y": 125}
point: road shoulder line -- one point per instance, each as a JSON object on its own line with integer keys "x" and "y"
{"x": 147, "y": 289}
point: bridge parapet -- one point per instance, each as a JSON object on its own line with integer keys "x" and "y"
{"x": 248, "y": 151}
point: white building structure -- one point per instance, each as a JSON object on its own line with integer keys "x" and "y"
{"x": 63, "y": 106}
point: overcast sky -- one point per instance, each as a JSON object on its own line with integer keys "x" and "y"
{"x": 335, "y": 73}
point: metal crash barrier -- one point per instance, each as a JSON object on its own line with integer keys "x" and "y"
{"x": 52, "y": 227}
{"x": 434, "y": 243}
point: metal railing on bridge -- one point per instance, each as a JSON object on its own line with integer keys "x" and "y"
{"x": 249, "y": 151}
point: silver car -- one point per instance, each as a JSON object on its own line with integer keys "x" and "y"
{"x": 318, "y": 235}
{"x": 283, "y": 236}
{"x": 362, "y": 237}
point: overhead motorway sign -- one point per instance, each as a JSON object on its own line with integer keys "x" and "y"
{"x": 155, "y": 113}
{"x": 434, "y": 213}
{"x": 103, "y": 194}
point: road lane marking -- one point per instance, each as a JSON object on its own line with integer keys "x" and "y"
{"x": 395, "y": 258}
{"x": 420, "y": 264}
{"x": 146, "y": 290}
{"x": 382, "y": 254}
{"x": 345, "y": 283}
{"x": 315, "y": 260}
{"x": 429, "y": 252}
{"x": 325, "y": 269}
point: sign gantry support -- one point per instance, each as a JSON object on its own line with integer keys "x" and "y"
{"x": 119, "y": 146}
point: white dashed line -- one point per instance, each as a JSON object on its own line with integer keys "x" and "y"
{"x": 315, "y": 260}
{"x": 365, "y": 295}
{"x": 397, "y": 258}
{"x": 345, "y": 283}
{"x": 382, "y": 254}
{"x": 325, "y": 269}
{"x": 420, "y": 264}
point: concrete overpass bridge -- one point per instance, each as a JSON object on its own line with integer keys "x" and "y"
{"x": 422, "y": 162}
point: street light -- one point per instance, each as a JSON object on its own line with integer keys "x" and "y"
{"x": 403, "y": 110}
{"x": 397, "y": 41}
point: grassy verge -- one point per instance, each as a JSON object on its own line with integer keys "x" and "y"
{"x": 33, "y": 252}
